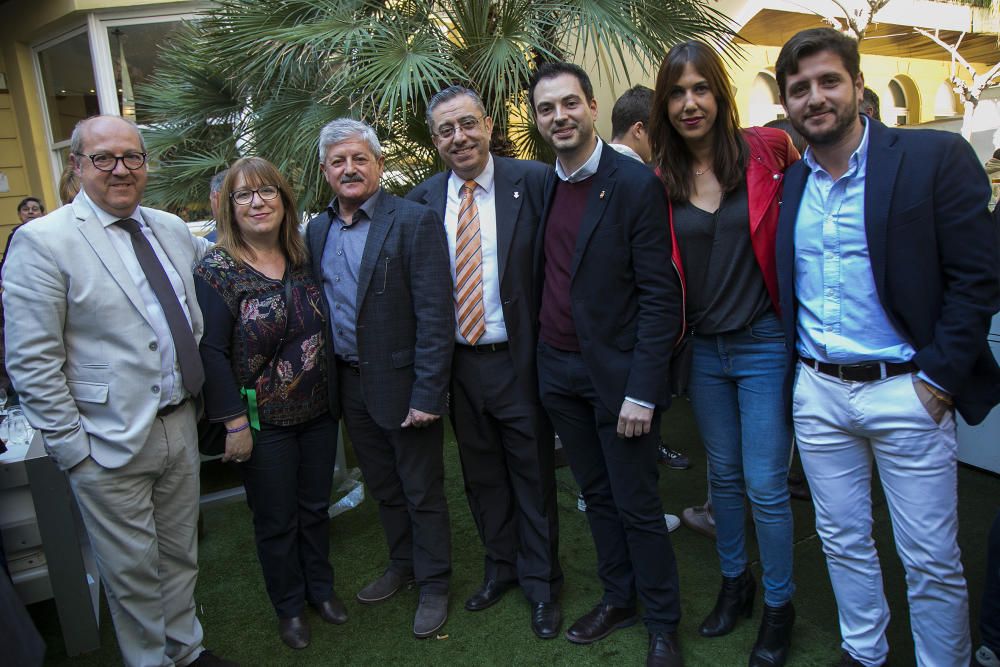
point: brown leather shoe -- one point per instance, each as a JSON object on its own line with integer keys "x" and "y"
{"x": 294, "y": 631}
{"x": 332, "y": 611}
{"x": 600, "y": 622}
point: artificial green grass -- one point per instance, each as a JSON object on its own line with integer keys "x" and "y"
{"x": 240, "y": 625}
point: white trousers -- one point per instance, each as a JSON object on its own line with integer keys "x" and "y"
{"x": 840, "y": 426}
{"x": 142, "y": 520}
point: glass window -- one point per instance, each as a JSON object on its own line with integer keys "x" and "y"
{"x": 134, "y": 53}
{"x": 68, "y": 85}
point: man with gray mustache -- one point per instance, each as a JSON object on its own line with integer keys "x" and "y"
{"x": 387, "y": 280}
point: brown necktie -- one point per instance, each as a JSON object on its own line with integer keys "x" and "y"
{"x": 469, "y": 268}
{"x": 188, "y": 358}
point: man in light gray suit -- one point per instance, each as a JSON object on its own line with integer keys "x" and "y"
{"x": 101, "y": 333}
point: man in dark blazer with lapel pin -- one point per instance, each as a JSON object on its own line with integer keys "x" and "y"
{"x": 888, "y": 278}
{"x": 384, "y": 266}
{"x": 610, "y": 308}
{"x": 504, "y": 437}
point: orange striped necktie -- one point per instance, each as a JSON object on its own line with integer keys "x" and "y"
{"x": 469, "y": 268}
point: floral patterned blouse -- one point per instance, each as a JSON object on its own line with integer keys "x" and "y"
{"x": 251, "y": 333}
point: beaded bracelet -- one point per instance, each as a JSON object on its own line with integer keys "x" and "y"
{"x": 238, "y": 428}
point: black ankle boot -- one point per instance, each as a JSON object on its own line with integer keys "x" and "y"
{"x": 775, "y": 636}
{"x": 735, "y": 598}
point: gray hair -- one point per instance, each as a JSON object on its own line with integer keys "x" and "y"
{"x": 450, "y": 93}
{"x": 344, "y": 129}
{"x": 216, "y": 183}
{"x": 76, "y": 139}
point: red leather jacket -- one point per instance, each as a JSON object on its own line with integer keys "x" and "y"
{"x": 771, "y": 152}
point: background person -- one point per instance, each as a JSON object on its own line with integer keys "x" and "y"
{"x": 265, "y": 331}
{"x": 870, "y": 105}
{"x": 630, "y": 136}
{"x": 724, "y": 185}
{"x": 69, "y": 185}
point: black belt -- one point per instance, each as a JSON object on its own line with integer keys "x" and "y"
{"x": 483, "y": 349}
{"x": 349, "y": 364}
{"x": 868, "y": 371}
{"x": 172, "y": 408}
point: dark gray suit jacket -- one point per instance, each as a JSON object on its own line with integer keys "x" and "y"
{"x": 519, "y": 187}
{"x": 406, "y": 317}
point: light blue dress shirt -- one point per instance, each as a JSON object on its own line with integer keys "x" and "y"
{"x": 841, "y": 319}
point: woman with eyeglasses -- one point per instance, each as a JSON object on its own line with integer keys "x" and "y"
{"x": 724, "y": 183}
{"x": 264, "y": 352}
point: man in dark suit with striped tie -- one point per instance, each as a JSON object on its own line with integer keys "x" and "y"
{"x": 491, "y": 207}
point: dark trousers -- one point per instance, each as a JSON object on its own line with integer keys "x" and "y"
{"x": 288, "y": 478}
{"x": 505, "y": 443}
{"x": 618, "y": 477}
{"x": 404, "y": 471}
{"x": 989, "y": 617}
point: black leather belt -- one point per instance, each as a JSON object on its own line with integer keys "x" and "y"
{"x": 172, "y": 408}
{"x": 868, "y": 371}
{"x": 483, "y": 349}
{"x": 348, "y": 364}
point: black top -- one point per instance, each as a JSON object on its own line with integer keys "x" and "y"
{"x": 250, "y": 333}
{"x": 725, "y": 288}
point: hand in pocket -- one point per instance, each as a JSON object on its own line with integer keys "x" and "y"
{"x": 936, "y": 407}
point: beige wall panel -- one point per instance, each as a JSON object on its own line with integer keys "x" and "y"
{"x": 8, "y": 127}
{"x": 10, "y": 154}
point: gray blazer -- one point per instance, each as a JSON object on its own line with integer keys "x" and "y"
{"x": 406, "y": 316}
{"x": 80, "y": 349}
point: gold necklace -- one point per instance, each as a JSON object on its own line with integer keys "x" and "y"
{"x": 703, "y": 171}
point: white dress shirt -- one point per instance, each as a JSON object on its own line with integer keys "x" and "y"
{"x": 485, "y": 197}
{"x": 171, "y": 386}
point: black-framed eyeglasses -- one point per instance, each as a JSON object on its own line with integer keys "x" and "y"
{"x": 108, "y": 162}
{"x": 244, "y": 197}
{"x": 467, "y": 124}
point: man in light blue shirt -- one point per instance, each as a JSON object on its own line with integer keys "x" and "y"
{"x": 887, "y": 272}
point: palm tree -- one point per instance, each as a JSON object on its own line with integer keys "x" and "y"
{"x": 262, "y": 76}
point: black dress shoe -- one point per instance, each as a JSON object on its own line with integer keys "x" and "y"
{"x": 600, "y": 622}
{"x": 735, "y": 598}
{"x": 546, "y": 619}
{"x": 774, "y": 637}
{"x": 487, "y": 596}
{"x": 332, "y": 611}
{"x": 294, "y": 631}
{"x": 664, "y": 651}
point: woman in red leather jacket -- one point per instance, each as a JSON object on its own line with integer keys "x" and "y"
{"x": 724, "y": 185}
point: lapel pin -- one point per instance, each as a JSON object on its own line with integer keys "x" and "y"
{"x": 601, "y": 196}
{"x": 516, "y": 194}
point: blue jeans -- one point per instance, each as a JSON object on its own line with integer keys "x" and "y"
{"x": 736, "y": 391}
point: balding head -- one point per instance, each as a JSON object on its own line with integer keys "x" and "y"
{"x": 116, "y": 140}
